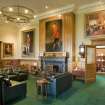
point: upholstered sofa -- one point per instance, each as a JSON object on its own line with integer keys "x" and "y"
{"x": 10, "y": 93}
{"x": 59, "y": 83}
{"x": 18, "y": 75}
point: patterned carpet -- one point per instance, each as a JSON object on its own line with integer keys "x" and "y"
{"x": 79, "y": 94}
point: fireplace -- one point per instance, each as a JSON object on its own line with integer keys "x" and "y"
{"x": 56, "y": 68}
{"x": 56, "y": 62}
{"x": 52, "y": 68}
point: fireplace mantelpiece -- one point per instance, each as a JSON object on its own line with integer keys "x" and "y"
{"x": 57, "y": 59}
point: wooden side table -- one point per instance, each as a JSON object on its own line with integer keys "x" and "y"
{"x": 41, "y": 86}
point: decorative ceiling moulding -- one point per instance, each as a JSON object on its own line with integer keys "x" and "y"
{"x": 96, "y": 6}
{"x": 98, "y": 37}
{"x": 56, "y": 12}
{"x": 17, "y": 13}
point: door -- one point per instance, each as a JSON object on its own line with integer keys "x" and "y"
{"x": 90, "y": 63}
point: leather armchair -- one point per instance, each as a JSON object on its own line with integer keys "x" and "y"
{"x": 16, "y": 91}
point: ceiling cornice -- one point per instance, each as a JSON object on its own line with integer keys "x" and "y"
{"x": 92, "y": 7}
{"x": 57, "y": 11}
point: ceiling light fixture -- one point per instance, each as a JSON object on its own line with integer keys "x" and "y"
{"x": 10, "y": 9}
{"x": 46, "y": 6}
{"x": 6, "y": 21}
{"x": 26, "y": 11}
{"x": 17, "y": 14}
{"x": 0, "y": 12}
{"x": 35, "y": 16}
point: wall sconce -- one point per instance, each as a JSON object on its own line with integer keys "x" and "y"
{"x": 82, "y": 50}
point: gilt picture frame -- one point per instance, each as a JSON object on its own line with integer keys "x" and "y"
{"x": 28, "y": 43}
{"x": 53, "y": 31}
{"x": 8, "y": 49}
{"x": 95, "y": 24}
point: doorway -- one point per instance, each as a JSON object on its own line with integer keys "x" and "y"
{"x": 100, "y": 59}
{"x": 100, "y": 55}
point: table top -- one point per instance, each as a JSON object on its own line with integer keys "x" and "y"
{"x": 42, "y": 81}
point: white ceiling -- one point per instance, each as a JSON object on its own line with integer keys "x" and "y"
{"x": 39, "y": 5}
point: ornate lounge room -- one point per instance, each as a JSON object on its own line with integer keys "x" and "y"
{"x": 52, "y": 52}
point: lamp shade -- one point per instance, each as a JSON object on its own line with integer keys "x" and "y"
{"x": 82, "y": 50}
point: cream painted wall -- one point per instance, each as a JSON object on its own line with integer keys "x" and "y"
{"x": 80, "y": 25}
{"x": 80, "y": 33}
{"x": 9, "y": 34}
{"x": 35, "y": 26}
{"x": 12, "y": 34}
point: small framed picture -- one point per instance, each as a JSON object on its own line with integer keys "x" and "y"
{"x": 7, "y": 49}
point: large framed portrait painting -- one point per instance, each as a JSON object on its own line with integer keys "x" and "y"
{"x": 95, "y": 24}
{"x": 7, "y": 49}
{"x": 54, "y": 36}
{"x": 28, "y": 43}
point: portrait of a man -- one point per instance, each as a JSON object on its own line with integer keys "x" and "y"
{"x": 54, "y": 36}
{"x": 7, "y": 49}
{"x": 28, "y": 43}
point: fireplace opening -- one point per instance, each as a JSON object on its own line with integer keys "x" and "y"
{"x": 55, "y": 68}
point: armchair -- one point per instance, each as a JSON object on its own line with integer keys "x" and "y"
{"x": 11, "y": 92}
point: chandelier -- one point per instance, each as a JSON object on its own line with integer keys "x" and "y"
{"x": 17, "y": 14}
